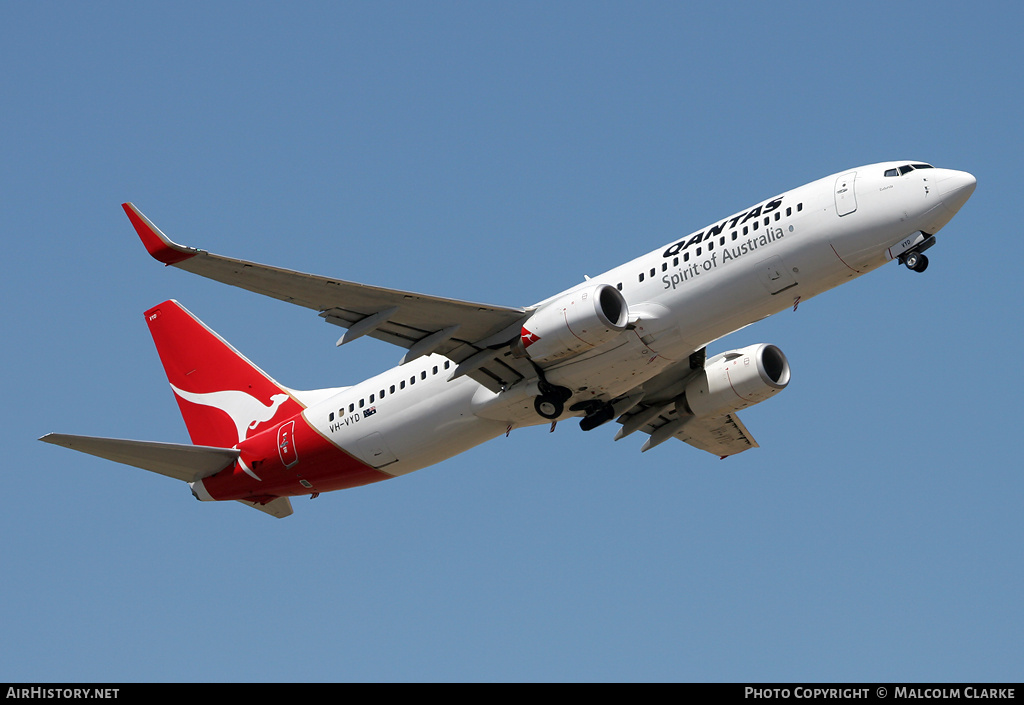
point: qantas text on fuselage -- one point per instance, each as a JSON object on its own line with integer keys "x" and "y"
{"x": 628, "y": 345}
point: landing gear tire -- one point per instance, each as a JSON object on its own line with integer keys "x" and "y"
{"x": 916, "y": 262}
{"x": 601, "y": 416}
{"x": 548, "y": 407}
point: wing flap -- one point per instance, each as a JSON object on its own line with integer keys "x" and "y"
{"x": 656, "y": 416}
{"x": 182, "y": 462}
{"x": 722, "y": 436}
{"x": 719, "y": 435}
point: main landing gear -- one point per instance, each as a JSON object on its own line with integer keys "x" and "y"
{"x": 550, "y": 403}
{"x": 596, "y": 413}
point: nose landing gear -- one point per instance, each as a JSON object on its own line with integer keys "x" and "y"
{"x": 914, "y": 257}
{"x": 915, "y": 261}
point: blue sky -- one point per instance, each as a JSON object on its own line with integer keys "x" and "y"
{"x": 498, "y": 153}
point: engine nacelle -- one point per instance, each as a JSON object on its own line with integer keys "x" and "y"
{"x": 572, "y": 324}
{"x": 735, "y": 380}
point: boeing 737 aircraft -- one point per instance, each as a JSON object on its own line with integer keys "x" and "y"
{"x": 627, "y": 345}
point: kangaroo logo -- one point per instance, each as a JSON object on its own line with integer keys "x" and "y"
{"x": 246, "y": 411}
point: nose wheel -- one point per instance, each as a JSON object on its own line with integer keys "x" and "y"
{"x": 916, "y": 262}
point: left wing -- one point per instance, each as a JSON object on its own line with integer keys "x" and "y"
{"x": 475, "y": 336}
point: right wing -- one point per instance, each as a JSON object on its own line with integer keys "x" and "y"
{"x": 656, "y": 415}
{"x": 475, "y": 336}
{"x": 719, "y": 435}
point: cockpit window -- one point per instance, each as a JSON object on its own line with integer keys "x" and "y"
{"x": 906, "y": 169}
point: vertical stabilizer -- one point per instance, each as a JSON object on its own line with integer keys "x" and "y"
{"x": 223, "y": 397}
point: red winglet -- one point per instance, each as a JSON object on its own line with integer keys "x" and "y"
{"x": 157, "y": 244}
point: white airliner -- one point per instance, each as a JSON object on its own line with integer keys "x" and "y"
{"x": 627, "y": 345}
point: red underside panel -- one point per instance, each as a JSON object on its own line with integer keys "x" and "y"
{"x": 282, "y": 458}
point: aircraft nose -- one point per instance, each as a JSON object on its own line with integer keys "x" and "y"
{"x": 954, "y": 188}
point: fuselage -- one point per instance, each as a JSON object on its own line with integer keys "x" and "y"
{"x": 681, "y": 297}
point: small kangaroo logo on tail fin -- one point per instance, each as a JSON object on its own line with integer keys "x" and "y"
{"x": 246, "y": 411}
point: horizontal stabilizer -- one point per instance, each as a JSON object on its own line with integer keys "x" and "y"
{"x": 182, "y": 462}
{"x": 280, "y": 507}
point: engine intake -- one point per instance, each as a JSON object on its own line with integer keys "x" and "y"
{"x": 735, "y": 380}
{"x": 573, "y": 323}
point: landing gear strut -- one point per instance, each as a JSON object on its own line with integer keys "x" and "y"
{"x": 550, "y": 403}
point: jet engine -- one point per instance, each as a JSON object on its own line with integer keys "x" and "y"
{"x": 573, "y": 323}
{"x": 735, "y": 380}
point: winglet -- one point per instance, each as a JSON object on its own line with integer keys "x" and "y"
{"x": 158, "y": 245}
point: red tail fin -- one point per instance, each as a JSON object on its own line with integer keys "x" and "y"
{"x": 223, "y": 397}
